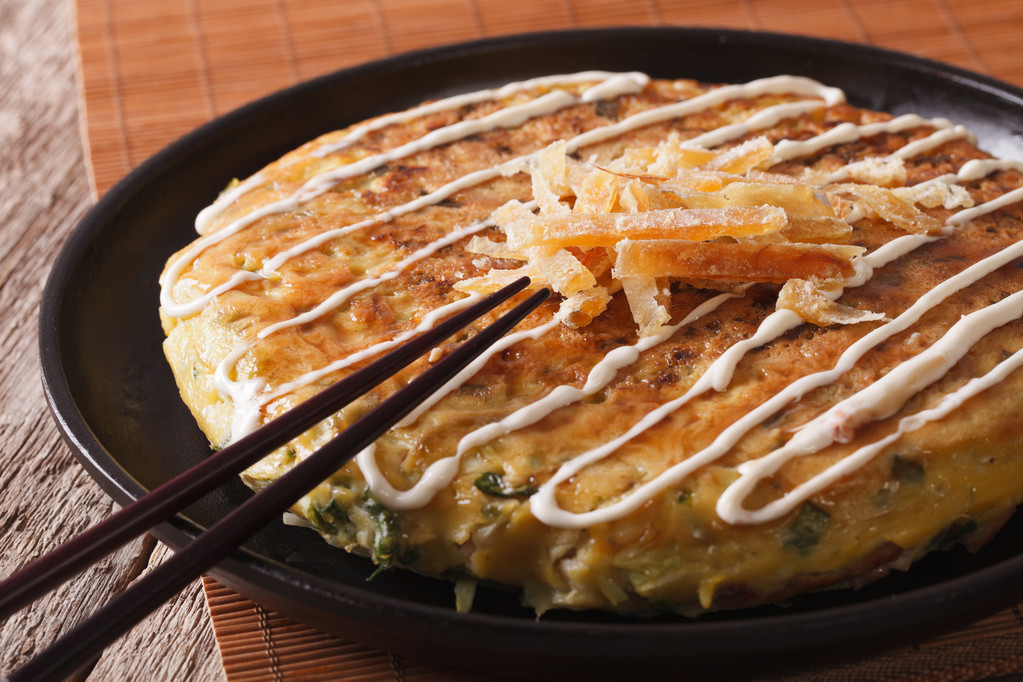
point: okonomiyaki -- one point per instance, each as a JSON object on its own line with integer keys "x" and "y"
{"x": 782, "y": 353}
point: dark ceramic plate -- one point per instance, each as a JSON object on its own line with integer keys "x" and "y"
{"x": 116, "y": 402}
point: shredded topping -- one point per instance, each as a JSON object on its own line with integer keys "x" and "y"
{"x": 677, "y": 214}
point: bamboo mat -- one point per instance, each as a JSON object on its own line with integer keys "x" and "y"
{"x": 150, "y": 72}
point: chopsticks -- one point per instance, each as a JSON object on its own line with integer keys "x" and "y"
{"x": 84, "y": 643}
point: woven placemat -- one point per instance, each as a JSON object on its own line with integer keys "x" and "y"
{"x": 151, "y": 72}
{"x": 259, "y": 645}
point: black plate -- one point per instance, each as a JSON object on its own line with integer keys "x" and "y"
{"x": 117, "y": 405}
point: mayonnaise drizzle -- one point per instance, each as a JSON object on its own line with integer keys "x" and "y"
{"x": 732, "y": 511}
{"x": 844, "y": 133}
{"x": 612, "y": 86}
{"x": 341, "y": 295}
{"x": 879, "y": 400}
{"x": 476, "y": 365}
{"x": 440, "y": 473}
{"x": 596, "y": 380}
{"x": 932, "y": 141}
{"x": 205, "y": 218}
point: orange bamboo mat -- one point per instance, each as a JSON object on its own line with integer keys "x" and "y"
{"x": 151, "y": 72}
{"x": 154, "y": 71}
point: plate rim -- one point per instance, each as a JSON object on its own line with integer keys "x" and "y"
{"x": 242, "y": 567}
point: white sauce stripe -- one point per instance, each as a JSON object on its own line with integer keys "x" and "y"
{"x": 776, "y": 85}
{"x": 946, "y": 406}
{"x": 205, "y": 218}
{"x": 598, "y": 377}
{"x": 440, "y": 473}
{"x": 477, "y": 96}
{"x": 879, "y": 400}
{"x": 844, "y": 133}
{"x": 915, "y": 148}
{"x": 243, "y": 394}
{"x": 476, "y": 365}
{"x": 339, "y": 297}
{"x": 764, "y": 118}
{"x": 437, "y": 476}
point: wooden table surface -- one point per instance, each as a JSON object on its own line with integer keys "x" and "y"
{"x": 46, "y": 496}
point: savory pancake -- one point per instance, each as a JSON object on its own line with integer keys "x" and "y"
{"x": 782, "y": 353}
